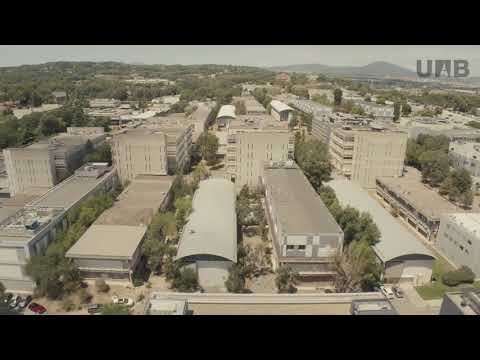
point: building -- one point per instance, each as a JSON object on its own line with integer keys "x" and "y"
{"x": 252, "y": 106}
{"x": 30, "y": 169}
{"x": 225, "y": 115}
{"x": 111, "y": 247}
{"x": 403, "y": 257}
{"x": 199, "y": 119}
{"x": 281, "y": 111}
{"x": 210, "y": 248}
{"x": 415, "y": 204}
{"x": 305, "y": 234}
{"x": 466, "y": 302}
{"x": 85, "y": 130}
{"x": 283, "y": 77}
{"x": 372, "y": 307}
{"x": 160, "y": 305}
{"x": 364, "y": 153}
{"x": 459, "y": 239}
{"x": 324, "y": 123}
{"x": 140, "y": 152}
{"x": 465, "y": 155}
{"x": 251, "y": 141}
{"x": 311, "y": 107}
{"x": 59, "y": 97}
{"x": 451, "y": 133}
{"x": 178, "y": 131}
{"x": 381, "y": 112}
{"x": 29, "y": 230}
{"x": 104, "y": 103}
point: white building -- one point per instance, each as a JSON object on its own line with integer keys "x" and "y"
{"x": 225, "y": 115}
{"x": 459, "y": 239}
{"x": 281, "y": 111}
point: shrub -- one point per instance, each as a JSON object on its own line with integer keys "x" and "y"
{"x": 84, "y": 296}
{"x": 68, "y": 305}
{"x": 185, "y": 281}
{"x": 140, "y": 297}
{"x": 462, "y": 275}
{"x": 137, "y": 282}
{"x": 101, "y": 286}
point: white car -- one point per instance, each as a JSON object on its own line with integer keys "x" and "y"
{"x": 122, "y": 301}
{"x": 388, "y": 292}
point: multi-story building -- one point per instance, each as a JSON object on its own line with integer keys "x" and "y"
{"x": 305, "y": 234}
{"x": 384, "y": 112}
{"x": 415, "y": 204}
{"x": 363, "y": 154}
{"x": 140, "y": 152}
{"x": 323, "y": 124}
{"x": 465, "y": 155}
{"x": 459, "y": 239}
{"x": 30, "y": 169}
{"x": 199, "y": 119}
{"x": 310, "y": 107}
{"x": 178, "y": 131}
{"x": 281, "y": 111}
{"x": 29, "y": 230}
{"x": 225, "y": 115}
{"x": 251, "y": 141}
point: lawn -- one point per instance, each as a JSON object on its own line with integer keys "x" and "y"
{"x": 437, "y": 289}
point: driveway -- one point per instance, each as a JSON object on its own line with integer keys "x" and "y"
{"x": 413, "y": 304}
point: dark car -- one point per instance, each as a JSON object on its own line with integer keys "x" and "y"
{"x": 7, "y": 298}
{"x": 14, "y": 302}
{"x": 37, "y": 308}
{"x": 25, "y": 301}
{"x": 398, "y": 292}
{"x": 94, "y": 308}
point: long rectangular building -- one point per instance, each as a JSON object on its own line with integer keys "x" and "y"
{"x": 306, "y": 237}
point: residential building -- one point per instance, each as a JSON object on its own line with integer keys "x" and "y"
{"x": 305, "y": 235}
{"x": 403, "y": 257}
{"x": 364, "y": 153}
{"x": 111, "y": 247}
{"x": 372, "y": 307}
{"x": 465, "y": 302}
{"x": 59, "y": 97}
{"x": 417, "y": 205}
{"x": 281, "y": 111}
{"x": 104, "y": 103}
{"x": 251, "y": 141}
{"x": 465, "y": 155}
{"x": 459, "y": 239}
{"x": 178, "y": 131}
{"x": 27, "y": 231}
{"x": 140, "y": 152}
{"x": 30, "y": 169}
{"x": 210, "y": 248}
{"x": 225, "y": 115}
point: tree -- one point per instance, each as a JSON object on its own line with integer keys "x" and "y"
{"x": 183, "y": 208}
{"x": 286, "y": 279}
{"x": 356, "y": 268}
{"x": 467, "y": 199}
{"x": 406, "y": 109}
{"x": 208, "y": 145}
{"x": 200, "y": 173}
{"x": 396, "y": 111}
{"x": 337, "y": 97}
{"x": 456, "y": 277}
{"x": 101, "y": 286}
{"x": 185, "y": 281}
{"x": 102, "y": 154}
{"x": 240, "y": 108}
{"x": 236, "y": 280}
{"x": 50, "y": 125}
{"x": 435, "y": 167}
{"x": 115, "y": 309}
{"x": 312, "y": 157}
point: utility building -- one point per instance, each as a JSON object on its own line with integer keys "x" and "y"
{"x": 210, "y": 247}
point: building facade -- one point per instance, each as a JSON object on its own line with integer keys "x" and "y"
{"x": 363, "y": 154}
{"x": 459, "y": 239}
{"x": 252, "y": 141}
{"x": 465, "y": 155}
{"x": 140, "y": 152}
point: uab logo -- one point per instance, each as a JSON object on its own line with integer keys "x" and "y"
{"x": 444, "y": 68}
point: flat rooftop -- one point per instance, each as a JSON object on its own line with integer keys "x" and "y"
{"x": 108, "y": 241}
{"x": 467, "y": 149}
{"x": 468, "y": 301}
{"x": 297, "y": 205}
{"x": 257, "y": 122}
{"x": 469, "y": 221}
{"x": 425, "y": 200}
{"x": 70, "y": 191}
{"x": 10, "y": 206}
{"x": 138, "y": 203}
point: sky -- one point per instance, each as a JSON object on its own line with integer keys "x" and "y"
{"x": 253, "y": 55}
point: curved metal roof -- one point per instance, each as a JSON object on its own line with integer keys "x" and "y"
{"x": 280, "y": 106}
{"x": 212, "y": 226}
{"x": 226, "y": 111}
{"x": 395, "y": 240}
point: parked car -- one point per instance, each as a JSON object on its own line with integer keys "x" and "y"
{"x": 387, "y": 292}
{"x": 8, "y": 297}
{"x": 398, "y": 292}
{"x": 14, "y": 302}
{"x": 24, "y": 302}
{"x": 122, "y": 301}
{"x": 37, "y": 308}
{"x": 94, "y": 308}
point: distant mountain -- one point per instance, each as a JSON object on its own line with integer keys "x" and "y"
{"x": 379, "y": 69}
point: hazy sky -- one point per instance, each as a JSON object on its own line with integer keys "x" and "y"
{"x": 256, "y": 55}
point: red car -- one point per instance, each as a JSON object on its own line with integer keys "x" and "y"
{"x": 36, "y": 308}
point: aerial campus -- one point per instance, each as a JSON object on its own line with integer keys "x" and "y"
{"x": 238, "y": 190}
